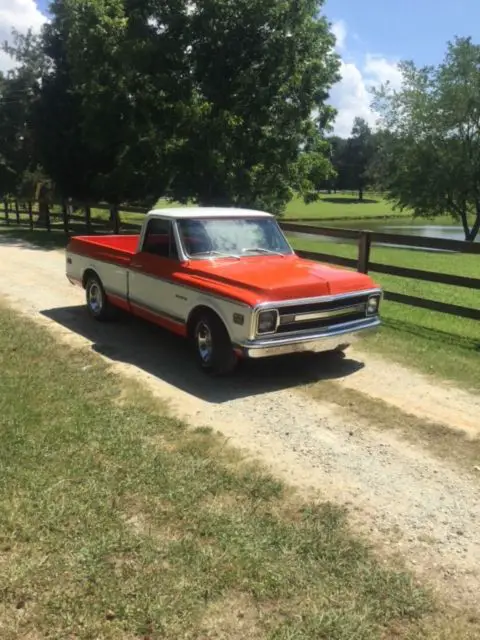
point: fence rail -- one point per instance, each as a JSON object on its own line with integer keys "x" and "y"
{"x": 68, "y": 216}
{"x": 365, "y": 239}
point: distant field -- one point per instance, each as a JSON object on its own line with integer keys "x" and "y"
{"x": 344, "y": 206}
{"x": 328, "y": 208}
{"x": 444, "y": 345}
{"x": 339, "y": 206}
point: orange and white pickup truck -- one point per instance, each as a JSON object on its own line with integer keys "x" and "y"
{"x": 226, "y": 279}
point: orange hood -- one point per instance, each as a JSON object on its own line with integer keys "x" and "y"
{"x": 279, "y": 278}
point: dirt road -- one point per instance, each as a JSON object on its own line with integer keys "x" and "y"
{"x": 412, "y": 502}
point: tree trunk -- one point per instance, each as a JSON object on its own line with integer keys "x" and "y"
{"x": 360, "y": 194}
{"x": 470, "y": 233}
{"x": 115, "y": 218}
{"x": 473, "y": 232}
{"x": 42, "y": 213}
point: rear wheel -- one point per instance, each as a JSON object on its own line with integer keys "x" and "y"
{"x": 97, "y": 302}
{"x": 212, "y": 345}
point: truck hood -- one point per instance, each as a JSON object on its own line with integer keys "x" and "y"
{"x": 281, "y": 277}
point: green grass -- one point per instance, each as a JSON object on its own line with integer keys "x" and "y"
{"x": 343, "y": 206}
{"x": 117, "y": 521}
{"x": 340, "y": 206}
{"x": 440, "y": 344}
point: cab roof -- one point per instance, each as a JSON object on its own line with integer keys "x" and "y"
{"x": 208, "y": 212}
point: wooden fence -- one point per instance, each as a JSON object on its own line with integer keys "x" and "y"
{"x": 69, "y": 216}
{"x": 74, "y": 217}
{"x": 363, "y": 263}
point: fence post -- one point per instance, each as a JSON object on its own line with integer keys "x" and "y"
{"x": 65, "y": 216}
{"x": 115, "y": 218}
{"x": 47, "y": 217}
{"x": 88, "y": 218}
{"x": 30, "y": 215}
{"x": 364, "y": 244}
{"x": 17, "y": 212}
{"x": 7, "y": 218}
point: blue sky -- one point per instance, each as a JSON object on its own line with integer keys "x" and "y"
{"x": 417, "y": 29}
{"x": 406, "y": 29}
{"x": 43, "y": 4}
{"x": 373, "y": 35}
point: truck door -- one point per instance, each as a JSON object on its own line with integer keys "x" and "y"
{"x": 153, "y": 293}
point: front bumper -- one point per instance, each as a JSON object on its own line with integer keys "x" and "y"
{"x": 317, "y": 341}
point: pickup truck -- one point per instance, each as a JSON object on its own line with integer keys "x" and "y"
{"x": 227, "y": 280}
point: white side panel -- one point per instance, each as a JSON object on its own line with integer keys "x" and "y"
{"x": 113, "y": 277}
{"x": 74, "y": 266}
{"x": 163, "y": 297}
{"x": 155, "y": 294}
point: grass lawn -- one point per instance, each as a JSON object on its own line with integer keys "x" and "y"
{"x": 437, "y": 343}
{"x": 339, "y": 206}
{"x": 117, "y": 521}
{"x": 342, "y": 206}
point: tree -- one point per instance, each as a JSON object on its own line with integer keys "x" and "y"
{"x": 358, "y": 155}
{"x": 430, "y": 152}
{"x": 19, "y": 91}
{"x": 259, "y": 69}
{"x": 207, "y": 101}
{"x": 339, "y": 181}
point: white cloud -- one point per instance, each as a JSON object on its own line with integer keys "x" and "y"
{"x": 21, "y": 15}
{"x": 382, "y": 70}
{"x": 351, "y": 96}
{"x": 339, "y": 30}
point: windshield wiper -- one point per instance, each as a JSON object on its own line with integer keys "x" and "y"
{"x": 220, "y": 254}
{"x": 262, "y": 250}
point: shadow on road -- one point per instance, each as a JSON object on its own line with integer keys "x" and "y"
{"x": 39, "y": 239}
{"x": 168, "y": 358}
{"x": 347, "y": 200}
{"x": 43, "y": 240}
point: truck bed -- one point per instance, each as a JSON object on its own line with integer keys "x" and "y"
{"x": 116, "y": 249}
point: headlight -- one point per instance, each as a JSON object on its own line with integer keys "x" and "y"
{"x": 373, "y": 305}
{"x": 267, "y": 321}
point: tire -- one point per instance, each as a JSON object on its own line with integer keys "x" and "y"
{"x": 212, "y": 345}
{"x": 97, "y": 303}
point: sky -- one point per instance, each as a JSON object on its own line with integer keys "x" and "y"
{"x": 372, "y": 37}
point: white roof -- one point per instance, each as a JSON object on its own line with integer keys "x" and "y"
{"x": 208, "y": 212}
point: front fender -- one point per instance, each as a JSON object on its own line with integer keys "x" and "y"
{"x": 226, "y": 310}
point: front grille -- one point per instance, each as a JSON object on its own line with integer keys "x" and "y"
{"x": 325, "y": 306}
{"x": 321, "y": 315}
{"x": 319, "y": 324}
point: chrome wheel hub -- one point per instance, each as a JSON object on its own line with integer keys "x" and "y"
{"x": 95, "y": 298}
{"x": 204, "y": 342}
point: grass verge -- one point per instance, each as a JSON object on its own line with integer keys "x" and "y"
{"x": 116, "y": 521}
{"x": 446, "y": 346}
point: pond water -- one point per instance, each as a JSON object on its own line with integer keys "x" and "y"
{"x": 404, "y": 226}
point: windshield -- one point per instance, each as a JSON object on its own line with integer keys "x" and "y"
{"x": 222, "y": 237}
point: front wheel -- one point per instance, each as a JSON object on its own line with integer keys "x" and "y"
{"x": 97, "y": 302}
{"x": 213, "y": 348}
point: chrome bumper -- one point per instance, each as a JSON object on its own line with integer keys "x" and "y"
{"x": 327, "y": 340}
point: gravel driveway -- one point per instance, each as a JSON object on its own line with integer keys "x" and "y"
{"x": 411, "y": 504}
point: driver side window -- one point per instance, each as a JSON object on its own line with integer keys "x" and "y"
{"x": 160, "y": 240}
